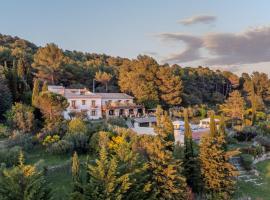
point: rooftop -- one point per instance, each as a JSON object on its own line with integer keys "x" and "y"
{"x": 114, "y": 96}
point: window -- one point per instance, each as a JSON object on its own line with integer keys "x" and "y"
{"x": 144, "y": 124}
{"x": 93, "y": 113}
{"x": 82, "y": 93}
{"x": 93, "y": 103}
{"x": 73, "y": 103}
{"x": 83, "y": 102}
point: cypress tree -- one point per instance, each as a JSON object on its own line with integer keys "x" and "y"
{"x": 77, "y": 191}
{"x": 213, "y": 128}
{"x": 190, "y": 162}
{"x": 44, "y": 86}
{"x": 21, "y": 69}
{"x": 222, "y": 126}
{"x": 253, "y": 103}
{"x": 35, "y": 93}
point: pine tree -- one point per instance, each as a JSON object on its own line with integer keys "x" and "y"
{"x": 234, "y": 106}
{"x": 169, "y": 86}
{"x": 190, "y": 162}
{"x": 23, "y": 182}
{"x": 35, "y": 93}
{"x": 217, "y": 172}
{"x": 163, "y": 172}
{"x": 77, "y": 191}
{"x": 105, "y": 181}
{"x": 104, "y": 78}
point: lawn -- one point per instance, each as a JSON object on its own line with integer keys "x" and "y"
{"x": 261, "y": 192}
{"x": 60, "y": 179}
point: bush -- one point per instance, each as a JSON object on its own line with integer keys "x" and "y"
{"x": 247, "y": 134}
{"x": 9, "y": 157}
{"x": 4, "y": 131}
{"x": 98, "y": 140}
{"x": 117, "y": 121}
{"x": 264, "y": 141}
{"x": 77, "y": 126}
{"x": 247, "y": 160}
{"x": 232, "y": 140}
{"x": 21, "y": 117}
{"x": 60, "y": 147}
{"x": 25, "y": 141}
{"x": 79, "y": 141}
{"x": 253, "y": 150}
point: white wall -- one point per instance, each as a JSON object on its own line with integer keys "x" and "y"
{"x": 87, "y": 106}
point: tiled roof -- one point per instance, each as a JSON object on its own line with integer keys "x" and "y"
{"x": 114, "y": 96}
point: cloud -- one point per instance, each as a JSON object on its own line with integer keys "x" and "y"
{"x": 204, "y": 19}
{"x": 191, "y": 52}
{"x": 250, "y": 46}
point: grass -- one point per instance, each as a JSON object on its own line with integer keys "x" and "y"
{"x": 60, "y": 180}
{"x": 261, "y": 192}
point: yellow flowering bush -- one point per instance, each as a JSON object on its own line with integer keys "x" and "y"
{"x": 50, "y": 140}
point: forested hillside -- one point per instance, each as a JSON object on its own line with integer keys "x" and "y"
{"x": 148, "y": 81}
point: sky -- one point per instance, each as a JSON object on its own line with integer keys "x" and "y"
{"x": 225, "y": 34}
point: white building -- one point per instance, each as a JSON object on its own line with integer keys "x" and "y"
{"x": 205, "y": 123}
{"x": 97, "y": 105}
{"x": 144, "y": 125}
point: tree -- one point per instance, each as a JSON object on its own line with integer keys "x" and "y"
{"x": 35, "y": 92}
{"x": 51, "y": 104}
{"x": 138, "y": 78}
{"x": 104, "y": 78}
{"x": 105, "y": 181}
{"x": 44, "y": 86}
{"x": 76, "y": 126}
{"x": 253, "y": 103}
{"x": 48, "y": 62}
{"x": 23, "y": 182}
{"x": 213, "y": 128}
{"x": 191, "y": 168}
{"x": 77, "y": 191}
{"x": 169, "y": 86}
{"x": 21, "y": 117}
{"x": 234, "y": 106}
{"x": 217, "y": 171}
{"x": 163, "y": 172}
{"x": 6, "y": 98}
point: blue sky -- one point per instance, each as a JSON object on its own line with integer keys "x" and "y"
{"x": 128, "y": 28}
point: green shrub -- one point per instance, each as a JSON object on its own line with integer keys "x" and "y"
{"x": 247, "y": 160}
{"x": 60, "y": 147}
{"x": 264, "y": 141}
{"x": 4, "y": 131}
{"x": 117, "y": 121}
{"x": 79, "y": 141}
{"x": 9, "y": 157}
{"x": 25, "y": 141}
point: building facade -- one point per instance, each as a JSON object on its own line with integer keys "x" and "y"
{"x": 97, "y": 105}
